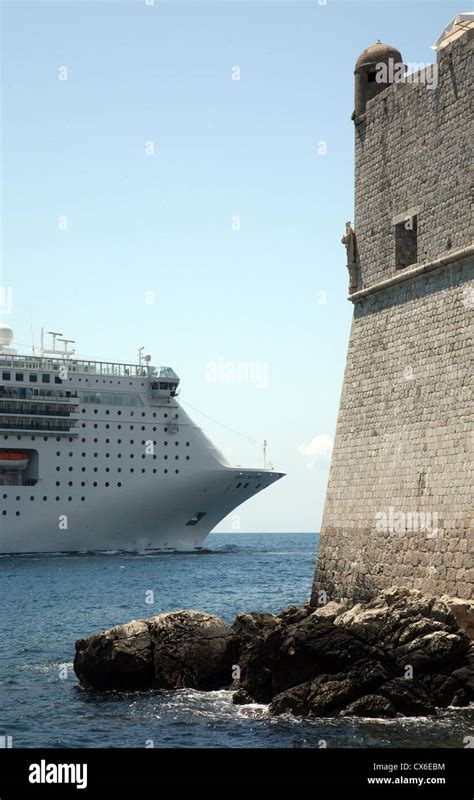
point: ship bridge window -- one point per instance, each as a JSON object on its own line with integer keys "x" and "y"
{"x": 6, "y": 376}
{"x": 33, "y": 378}
{"x": 164, "y": 386}
{"x": 45, "y": 378}
{"x": 18, "y": 376}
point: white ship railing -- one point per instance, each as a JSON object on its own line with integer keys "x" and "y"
{"x": 73, "y": 365}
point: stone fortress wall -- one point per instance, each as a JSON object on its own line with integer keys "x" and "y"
{"x": 399, "y": 504}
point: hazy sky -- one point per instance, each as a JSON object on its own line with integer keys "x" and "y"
{"x": 151, "y": 198}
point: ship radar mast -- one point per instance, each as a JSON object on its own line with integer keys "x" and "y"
{"x": 54, "y": 351}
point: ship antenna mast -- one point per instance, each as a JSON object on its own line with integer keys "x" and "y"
{"x": 140, "y": 355}
{"x": 264, "y": 454}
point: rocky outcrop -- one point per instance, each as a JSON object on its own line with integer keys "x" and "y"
{"x": 463, "y": 611}
{"x": 402, "y": 653}
{"x": 171, "y": 651}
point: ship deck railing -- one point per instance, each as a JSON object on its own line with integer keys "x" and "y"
{"x": 41, "y": 363}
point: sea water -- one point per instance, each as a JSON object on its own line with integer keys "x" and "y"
{"x": 49, "y": 601}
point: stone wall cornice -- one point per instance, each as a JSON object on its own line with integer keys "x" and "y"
{"x": 415, "y": 272}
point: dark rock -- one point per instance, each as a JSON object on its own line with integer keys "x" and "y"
{"x": 171, "y": 651}
{"x": 327, "y": 695}
{"x": 241, "y": 698}
{"x": 192, "y": 649}
{"x": 434, "y": 650}
{"x": 408, "y": 697}
{"x": 370, "y": 705}
{"x": 292, "y": 655}
{"x": 120, "y": 658}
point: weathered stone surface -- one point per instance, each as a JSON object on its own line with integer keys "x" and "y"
{"x": 170, "y": 651}
{"x": 191, "y": 649}
{"x": 402, "y": 650}
{"x": 402, "y": 653}
{"x": 120, "y": 658}
{"x": 399, "y": 500}
{"x": 462, "y": 610}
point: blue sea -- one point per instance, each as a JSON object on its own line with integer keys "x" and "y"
{"x": 49, "y": 601}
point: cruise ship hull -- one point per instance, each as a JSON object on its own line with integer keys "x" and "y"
{"x": 153, "y": 517}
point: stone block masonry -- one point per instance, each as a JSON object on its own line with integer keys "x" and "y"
{"x": 399, "y": 504}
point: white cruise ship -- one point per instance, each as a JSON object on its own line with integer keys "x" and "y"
{"x": 99, "y": 456}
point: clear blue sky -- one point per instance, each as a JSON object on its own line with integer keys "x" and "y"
{"x": 272, "y": 293}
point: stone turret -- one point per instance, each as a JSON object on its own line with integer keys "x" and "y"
{"x": 375, "y": 69}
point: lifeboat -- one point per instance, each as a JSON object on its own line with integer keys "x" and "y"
{"x": 11, "y": 460}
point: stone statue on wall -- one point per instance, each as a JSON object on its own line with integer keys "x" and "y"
{"x": 350, "y": 241}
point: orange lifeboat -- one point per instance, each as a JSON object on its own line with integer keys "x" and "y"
{"x": 13, "y": 460}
